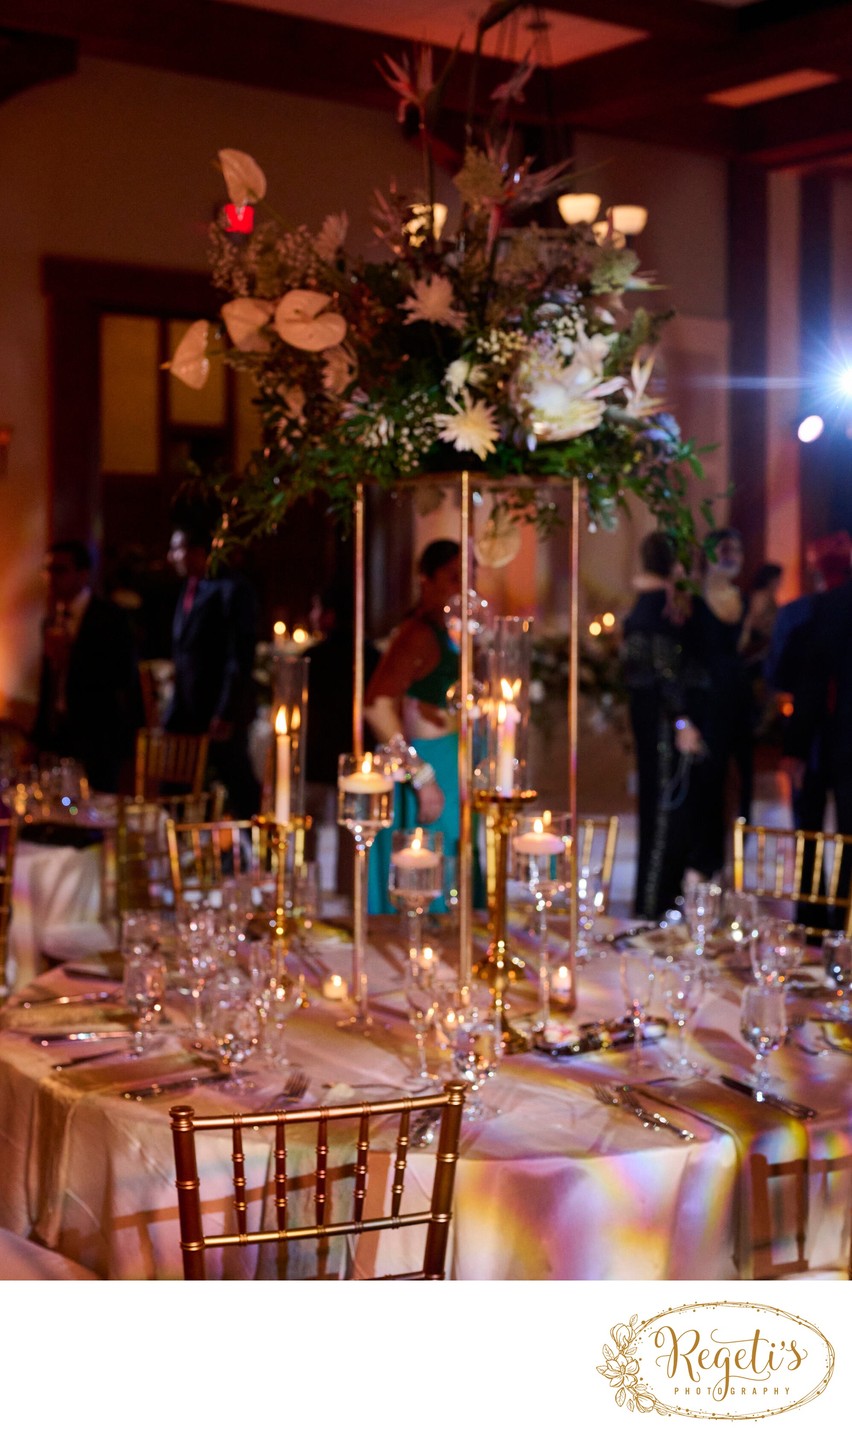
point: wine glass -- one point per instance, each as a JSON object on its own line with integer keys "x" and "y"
{"x": 540, "y": 850}
{"x": 364, "y": 806}
{"x": 837, "y": 959}
{"x": 472, "y": 1029}
{"x": 198, "y": 953}
{"x": 415, "y": 878}
{"x": 763, "y": 1025}
{"x": 144, "y": 992}
{"x": 422, "y": 1001}
{"x": 778, "y": 949}
{"x": 681, "y": 988}
{"x": 701, "y": 913}
{"x": 637, "y": 973}
{"x": 231, "y": 1023}
{"x": 739, "y": 923}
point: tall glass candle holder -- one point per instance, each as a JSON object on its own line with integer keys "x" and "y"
{"x": 284, "y": 798}
{"x": 415, "y": 879}
{"x": 502, "y": 768}
{"x": 364, "y": 806}
{"x": 541, "y": 860}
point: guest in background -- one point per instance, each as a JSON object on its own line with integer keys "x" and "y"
{"x": 761, "y": 611}
{"x": 662, "y": 681}
{"x": 89, "y": 700}
{"x": 331, "y": 684}
{"x": 213, "y": 644}
{"x": 407, "y": 701}
{"x": 726, "y": 720}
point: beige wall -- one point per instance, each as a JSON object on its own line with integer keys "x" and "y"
{"x": 116, "y": 163}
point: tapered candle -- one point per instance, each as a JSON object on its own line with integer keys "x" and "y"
{"x": 507, "y": 723}
{"x": 282, "y": 767}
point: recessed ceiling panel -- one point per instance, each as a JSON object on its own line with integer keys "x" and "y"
{"x": 792, "y": 82}
{"x": 554, "y": 38}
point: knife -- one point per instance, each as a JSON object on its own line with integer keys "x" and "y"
{"x": 81, "y": 1036}
{"x": 174, "y": 1082}
{"x": 786, "y": 1105}
{"x": 88, "y": 1059}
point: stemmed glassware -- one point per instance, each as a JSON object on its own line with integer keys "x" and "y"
{"x": 473, "y": 1029}
{"x": 763, "y": 1025}
{"x": 701, "y": 909}
{"x": 541, "y": 849}
{"x": 199, "y": 953}
{"x": 778, "y": 949}
{"x": 364, "y": 806}
{"x": 681, "y": 988}
{"x": 422, "y": 1001}
{"x": 837, "y": 958}
{"x": 739, "y": 924}
{"x": 144, "y": 993}
{"x": 637, "y": 972}
{"x": 231, "y": 1022}
{"x": 415, "y": 879}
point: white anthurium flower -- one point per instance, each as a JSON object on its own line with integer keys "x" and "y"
{"x": 471, "y": 426}
{"x": 463, "y": 372}
{"x": 301, "y": 321}
{"x": 332, "y": 236}
{"x": 244, "y": 179}
{"x": 190, "y": 362}
{"x": 338, "y": 370}
{"x": 245, "y": 319}
{"x": 432, "y": 301}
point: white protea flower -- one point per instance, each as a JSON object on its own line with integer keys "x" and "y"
{"x": 471, "y": 426}
{"x": 559, "y": 401}
{"x": 332, "y": 236}
{"x": 432, "y": 301}
{"x": 302, "y": 320}
{"x": 245, "y": 180}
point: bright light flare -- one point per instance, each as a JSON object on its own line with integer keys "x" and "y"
{"x": 810, "y": 428}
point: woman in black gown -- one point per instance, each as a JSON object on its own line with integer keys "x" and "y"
{"x": 663, "y": 684}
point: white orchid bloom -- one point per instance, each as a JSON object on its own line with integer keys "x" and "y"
{"x": 301, "y": 321}
{"x": 638, "y": 403}
{"x": 244, "y": 179}
{"x": 244, "y": 319}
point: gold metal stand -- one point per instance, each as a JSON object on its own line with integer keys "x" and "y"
{"x": 465, "y": 860}
{"x": 499, "y": 967}
{"x": 573, "y": 727}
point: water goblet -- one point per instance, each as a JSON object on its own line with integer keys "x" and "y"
{"x": 415, "y": 878}
{"x": 144, "y": 992}
{"x": 637, "y": 973}
{"x": 231, "y": 1023}
{"x": 422, "y": 1001}
{"x": 778, "y": 949}
{"x": 681, "y": 988}
{"x": 364, "y": 806}
{"x": 837, "y": 959}
{"x": 540, "y": 849}
{"x": 739, "y": 924}
{"x": 763, "y": 1025}
{"x": 477, "y": 1044}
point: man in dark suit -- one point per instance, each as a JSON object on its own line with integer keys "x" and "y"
{"x": 90, "y": 701}
{"x": 213, "y": 643}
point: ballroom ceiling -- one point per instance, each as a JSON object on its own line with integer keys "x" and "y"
{"x": 767, "y": 81}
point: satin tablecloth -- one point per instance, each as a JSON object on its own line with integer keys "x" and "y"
{"x": 557, "y": 1186}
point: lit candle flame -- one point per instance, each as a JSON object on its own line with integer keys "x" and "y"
{"x": 507, "y": 691}
{"x": 281, "y": 726}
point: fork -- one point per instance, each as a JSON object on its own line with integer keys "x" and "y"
{"x": 293, "y": 1089}
{"x": 623, "y": 1099}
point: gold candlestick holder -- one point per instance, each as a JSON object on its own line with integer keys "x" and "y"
{"x": 499, "y": 967}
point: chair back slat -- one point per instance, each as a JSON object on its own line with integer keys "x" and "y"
{"x": 436, "y": 1219}
{"x": 165, "y": 760}
{"x": 799, "y": 866}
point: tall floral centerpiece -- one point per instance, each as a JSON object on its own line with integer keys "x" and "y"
{"x": 515, "y": 354}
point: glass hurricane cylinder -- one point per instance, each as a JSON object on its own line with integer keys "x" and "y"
{"x": 284, "y": 791}
{"x": 541, "y": 861}
{"x": 506, "y": 707}
{"x": 415, "y": 879}
{"x": 364, "y": 806}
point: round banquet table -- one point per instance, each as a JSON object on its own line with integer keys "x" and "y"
{"x": 556, "y": 1186}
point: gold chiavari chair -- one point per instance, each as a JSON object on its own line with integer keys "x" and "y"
{"x": 8, "y": 840}
{"x": 436, "y": 1218}
{"x": 802, "y": 866}
{"x": 169, "y": 762}
{"x": 780, "y": 1203}
{"x": 201, "y": 855}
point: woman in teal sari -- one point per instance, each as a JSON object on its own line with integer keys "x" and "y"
{"x": 407, "y": 700}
